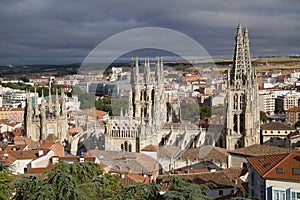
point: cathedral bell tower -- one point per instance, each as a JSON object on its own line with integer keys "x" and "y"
{"x": 242, "y": 123}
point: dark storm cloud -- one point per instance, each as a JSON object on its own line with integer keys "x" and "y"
{"x": 56, "y": 31}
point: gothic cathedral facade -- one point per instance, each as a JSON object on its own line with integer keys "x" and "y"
{"x": 242, "y": 125}
{"x": 46, "y": 121}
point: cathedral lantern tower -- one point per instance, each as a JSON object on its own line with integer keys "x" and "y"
{"x": 242, "y": 123}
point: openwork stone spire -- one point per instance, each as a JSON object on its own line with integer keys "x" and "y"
{"x": 242, "y": 116}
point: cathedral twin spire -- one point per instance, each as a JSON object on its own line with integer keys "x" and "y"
{"x": 36, "y": 112}
{"x": 241, "y": 74}
{"x": 147, "y": 72}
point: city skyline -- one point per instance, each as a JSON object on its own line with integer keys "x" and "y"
{"x": 55, "y": 32}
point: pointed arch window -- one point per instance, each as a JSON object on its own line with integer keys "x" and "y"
{"x": 130, "y": 148}
{"x": 235, "y": 122}
{"x": 242, "y": 101}
{"x": 126, "y": 145}
{"x": 235, "y": 102}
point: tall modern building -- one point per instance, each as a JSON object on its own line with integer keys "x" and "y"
{"x": 242, "y": 123}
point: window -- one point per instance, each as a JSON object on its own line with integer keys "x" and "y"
{"x": 280, "y": 170}
{"x": 220, "y": 192}
{"x": 296, "y": 171}
{"x": 278, "y": 195}
{"x": 295, "y": 196}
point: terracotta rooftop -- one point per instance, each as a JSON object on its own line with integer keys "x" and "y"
{"x": 205, "y": 153}
{"x": 263, "y": 164}
{"x": 132, "y": 178}
{"x": 152, "y": 148}
{"x": 235, "y": 172}
{"x": 168, "y": 151}
{"x": 117, "y": 161}
{"x": 21, "y": 155}
{"x": 276, "y": 126}
{"x": 75, "y": 130}
{"x": 284, "y": 167}
{"x": 5, "y": 148}
{"x": 295, "y": 109}
{"x": 100, "y": 114}
{"x": 218, "y": 178}
{"x": 193, "y": 78}
{"x": 260, "y": 150}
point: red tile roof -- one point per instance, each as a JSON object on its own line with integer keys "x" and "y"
{"x": 153, "y": 148}
{"x": 101, "y": 114}
{"x": 132, "y": 178}
{"x": 295, "y": 109}
{"x": 193, "y": 78}
{"x": 263, "y": 164}
{"x": 260, "y": 150}
{"x": 205, "y": 153}
{"x": 75, "y": 130}
{"x": 276, "y": 126}
{"x": 267, "y": 166}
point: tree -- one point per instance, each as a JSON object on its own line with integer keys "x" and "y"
{"x": 297, "y": 124}
{"x": 76, "y": 91}
{"x": 205, "y": 112}
{"x": 106, "y": 186}
{"x": 190, "y": 112}
{"x": 87, "y": 100}
{"x": 181, "y": 190}
{"x": 263, "y": 117}
{"x": 26, "y": 187}
{"x": 103, "y": 104}
{"x": 81, "y": 180}
{"x": 5, "y": 182}
{"x": 142, "y": 191}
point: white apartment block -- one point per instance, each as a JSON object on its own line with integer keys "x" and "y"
{"x": 286, "y": 102}
{"x": 267, "y": 102}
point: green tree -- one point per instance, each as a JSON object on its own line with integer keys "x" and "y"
{"x": 87, "y": 100}
{"x": 142, "y": 191}
{"x": 81, "y": 180}
{"x": 190, "y": 112}
{"x": 76, "y": 91}
{"x": 263, "y": 117}
{"x": 297, "y": 124}
{"x": 106, "y": 186}
{"x": 26, "y": 187}
{"x": 112, "y": 105}
{"x": 181, "y": 190}
{"x": 5, "y": 181}
{"x": 205, "y": 111}
{"x": 103, "y": 104}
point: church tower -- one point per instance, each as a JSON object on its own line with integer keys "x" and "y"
{"x": 45, "y": 122}
{"x": 147, "y": 96}
{"x": 242, "y": 123}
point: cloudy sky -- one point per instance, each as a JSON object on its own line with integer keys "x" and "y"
{"x": 65, "y": 31}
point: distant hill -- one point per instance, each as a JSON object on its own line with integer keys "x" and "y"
{"x": 261, "y": 64}
{"x": 36, "y": 70}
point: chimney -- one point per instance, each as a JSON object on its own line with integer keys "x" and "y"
{"x": 54, "y": 159}
{"x": 41, "y": 152}
{"x": 122, "y": 175}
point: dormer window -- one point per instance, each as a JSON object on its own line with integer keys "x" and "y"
{"x": 296, "y": 171}
{"x": 280, "y": 170}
